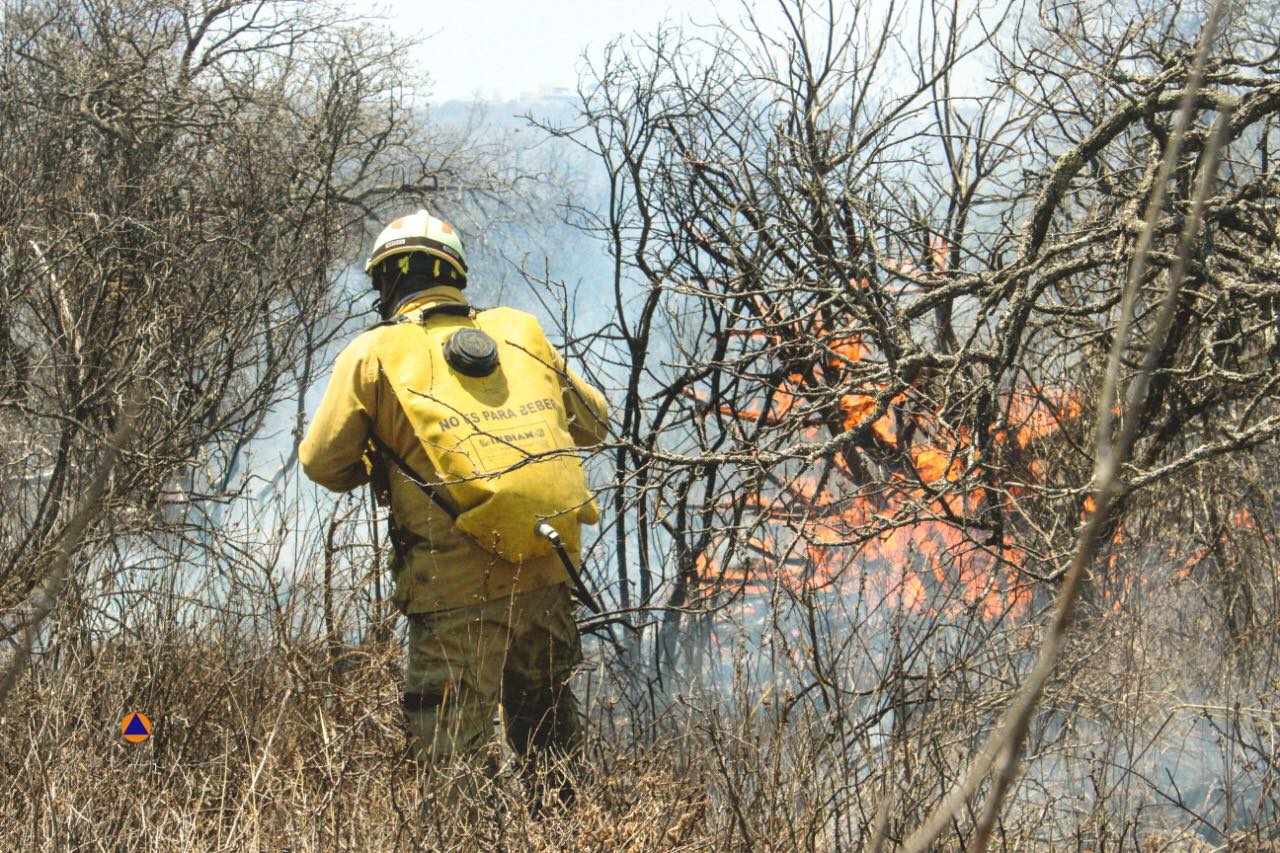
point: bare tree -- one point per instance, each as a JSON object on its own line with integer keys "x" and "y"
{"x": 868, "y": 269}
{"x": 186, "y": 184}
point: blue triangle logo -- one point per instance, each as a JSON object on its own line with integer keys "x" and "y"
{"x": 136, "y": 727}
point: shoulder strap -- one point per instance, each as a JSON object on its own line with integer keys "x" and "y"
{"x": 412, "y": 477}
{"x": 451, "y": 309}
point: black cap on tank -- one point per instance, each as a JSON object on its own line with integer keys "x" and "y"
{"x": 471, "y": 352}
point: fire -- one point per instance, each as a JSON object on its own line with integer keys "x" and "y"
{"x": 1038, "y": 413}
{"x": 1241, "y": 521}
{"x": 858, "y": 408}
{"x": 811, "y": 537}
{"x": 903, "y": 540}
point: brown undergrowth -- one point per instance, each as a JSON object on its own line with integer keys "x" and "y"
{"x": 280, "y": 749}
{"x": 282, "y": 743}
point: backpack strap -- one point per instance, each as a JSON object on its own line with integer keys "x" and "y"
{"x": 449, "y": 309}
{"x": 412, "y": 477}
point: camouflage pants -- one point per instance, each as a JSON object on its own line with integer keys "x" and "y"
{"x": 516, "y": 653}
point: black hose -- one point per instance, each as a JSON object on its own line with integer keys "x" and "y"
{"x": 546, "y": 531}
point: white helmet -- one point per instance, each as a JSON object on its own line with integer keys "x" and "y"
{"x": 418, "y": 232}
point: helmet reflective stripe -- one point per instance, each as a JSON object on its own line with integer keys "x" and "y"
{"x": 404, "y": 245}
{"x": 406, "y": 263}
{"x": 418, "y": 232}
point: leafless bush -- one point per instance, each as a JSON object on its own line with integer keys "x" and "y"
{"x": 868, "y": 271}
{"x": 183, "y": 186}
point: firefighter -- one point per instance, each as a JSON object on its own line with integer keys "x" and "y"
{"x": 472, "y": 418}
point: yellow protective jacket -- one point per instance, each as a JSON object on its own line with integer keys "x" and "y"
{"x": 444, "y": 568}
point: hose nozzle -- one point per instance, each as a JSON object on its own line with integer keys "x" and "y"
{"x": 547, "y": 532}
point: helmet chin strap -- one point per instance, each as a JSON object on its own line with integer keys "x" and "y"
{"x": 384, "y": 297}
{"x": 390, "y": 284}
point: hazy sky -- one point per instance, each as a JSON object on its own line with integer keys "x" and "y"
{"x": 505, "y": 48}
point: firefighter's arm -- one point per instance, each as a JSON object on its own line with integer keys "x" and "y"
{"x": 586, "y": 407}
{"x": 333, "y": 453}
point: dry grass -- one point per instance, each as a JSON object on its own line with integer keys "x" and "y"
{"x": 281, "y": 744}
{"x": 258, "y": 749}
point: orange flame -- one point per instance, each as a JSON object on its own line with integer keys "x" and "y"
{"x": 910, "y": 530}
